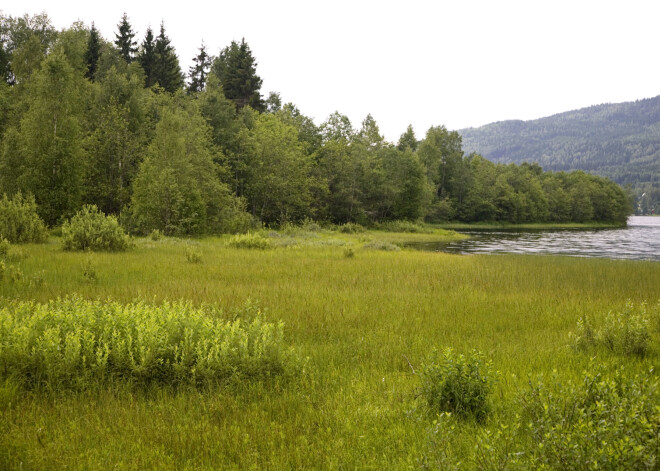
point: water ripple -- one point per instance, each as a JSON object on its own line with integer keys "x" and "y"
{"x": 639, "y": 241}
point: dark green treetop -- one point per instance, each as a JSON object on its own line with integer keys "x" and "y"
{"x": 124, "y": 40}
{"x": 167, "y": 70}
{"x": 237, "y": 70}
{"x": 199, "y": 71}
{"x": 93, "y": 52}
{"x": 147, "y": 58}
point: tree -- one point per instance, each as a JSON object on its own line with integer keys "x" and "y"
{"x": 177, "y": 189}
{"x": 93, "y": 53}
{"x": 237, "y": 70}
{"x": 124, "y": 40}
{"x": 167, "y": 71}
{"x": 24, "y": 42}
{"x": 408, "y": 140}
{"x": 276, "y": 171}
{"x": 199, "y": 70}
{"x": 147, "y": 58}
{"x": 48, "y": 145}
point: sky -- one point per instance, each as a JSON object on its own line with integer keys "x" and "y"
{"x": 459, "y": 63}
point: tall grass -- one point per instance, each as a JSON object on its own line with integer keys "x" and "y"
{"x": 366, "y": 323}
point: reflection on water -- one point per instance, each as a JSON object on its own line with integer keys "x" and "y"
{"x": 639, "y": 241}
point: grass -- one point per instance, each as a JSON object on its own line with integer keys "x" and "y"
{"x": 528, "y": 226}
{"x": 364, "y": 323}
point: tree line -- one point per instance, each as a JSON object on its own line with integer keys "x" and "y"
{"x": 618, "y": 141}
{"x": 118, "y": 124}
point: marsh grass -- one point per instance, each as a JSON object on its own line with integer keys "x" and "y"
{"x": 358, "y": 323}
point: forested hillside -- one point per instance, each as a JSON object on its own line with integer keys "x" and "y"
{"x": 117, "y": 124}
{"x": 619, "y": 141}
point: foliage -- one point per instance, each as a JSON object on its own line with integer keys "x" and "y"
{"x": 93, "y": 53}
{"x": 457, "y": 383}
{"x": 176, "y": 189}
{"x": 617, "y": 141}
{"x": 404, "y": 226}
{"x": 351, "y": 228}
{"x": 19, "y": 222}
{"x": 124, "y": 39}
{"x": 624, "y": 332}
{"x": 237, "y": 70}
{"x": 608, "y": 421}
{"x": 251, "y": 240}
{"x": 5, "y": 247}
{"x": 381, "y": 245}
{"x": 193, "y": 255}
{"x": 90, "y": 229}
{"x": 76, "y": 343}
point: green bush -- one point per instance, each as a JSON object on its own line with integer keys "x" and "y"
{"x": 457, "y": 384}
{"x": 74, "y": 343}
{"x": 381, "y": 245}
{"x": 156, "y": 235}
{"x": 193, "y": 255}
{"x": 90, "y": 229}
{"x": 19, "y": 222}
{"x": 5, "y": 247}
{"x": 351, "y": 228}
{"x": 608, "y": 421}
{"x": 625, "y": 332}
{"x": 249, "y": 241}
{"x": 404, "y": 226}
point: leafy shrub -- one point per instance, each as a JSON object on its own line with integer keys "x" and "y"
{"x": 193, "y": 255}
{"x": 90, "y": 229}
{"x": 19, "y": 222}
{"x": 249, "y": 241}
{"x": 404, "y": 226}
{"x": 625, "y": 332}
{"x": 76, "y": 343}
{"x": 351, "y": 228}
{"x": 605, "y": 422}
{"x": 89, "y": 270}
{"x": 458, "y": 384}
{"x": 5, "y": 246}
{"x": 380, "y": 245}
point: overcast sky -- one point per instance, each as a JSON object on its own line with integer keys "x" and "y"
{"x": 455, "y": 63}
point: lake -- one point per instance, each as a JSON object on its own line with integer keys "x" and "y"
{"x": 639, "y": 241}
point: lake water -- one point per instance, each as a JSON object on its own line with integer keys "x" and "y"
{"x": 639, "y": 241}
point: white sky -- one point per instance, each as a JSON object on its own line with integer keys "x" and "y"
{"x": 456, "y": 63}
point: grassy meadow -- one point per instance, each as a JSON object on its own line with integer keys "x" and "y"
{"x": 363, "y": 320}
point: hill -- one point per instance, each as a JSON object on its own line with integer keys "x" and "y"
{"x": 620, "y": 141}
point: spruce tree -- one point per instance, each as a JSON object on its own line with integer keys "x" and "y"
{"x": 199, "y": 71}
{"x": 147, "y": 58}
{"x": 93, "y": 53}
{"x": 124, "y": 40}
{"x": 237, "y": 70}
{"x": 167, "y": 70}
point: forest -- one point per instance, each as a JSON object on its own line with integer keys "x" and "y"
{"x": 620, "y": 141}
{"x": 117, "y": 124}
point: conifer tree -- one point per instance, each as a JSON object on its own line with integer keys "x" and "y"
{"x": 167, "y": 70}
{"x": 124, "y": 40}
{"x": 147, "y": 58}
{"x": 93, "y": 53}
{"x": 237, "y": 70}
{"x": 199, "y": 71}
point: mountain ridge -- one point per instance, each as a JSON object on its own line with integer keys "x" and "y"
{"x": 620, "y": 141}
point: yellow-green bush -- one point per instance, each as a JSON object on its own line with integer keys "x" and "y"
{"x": 72, "y": 342}
{"x": 19, "y": 222}
{"x": 90, "y": 229}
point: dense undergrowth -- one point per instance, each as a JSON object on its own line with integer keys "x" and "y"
{"x": 75, "y": 343}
